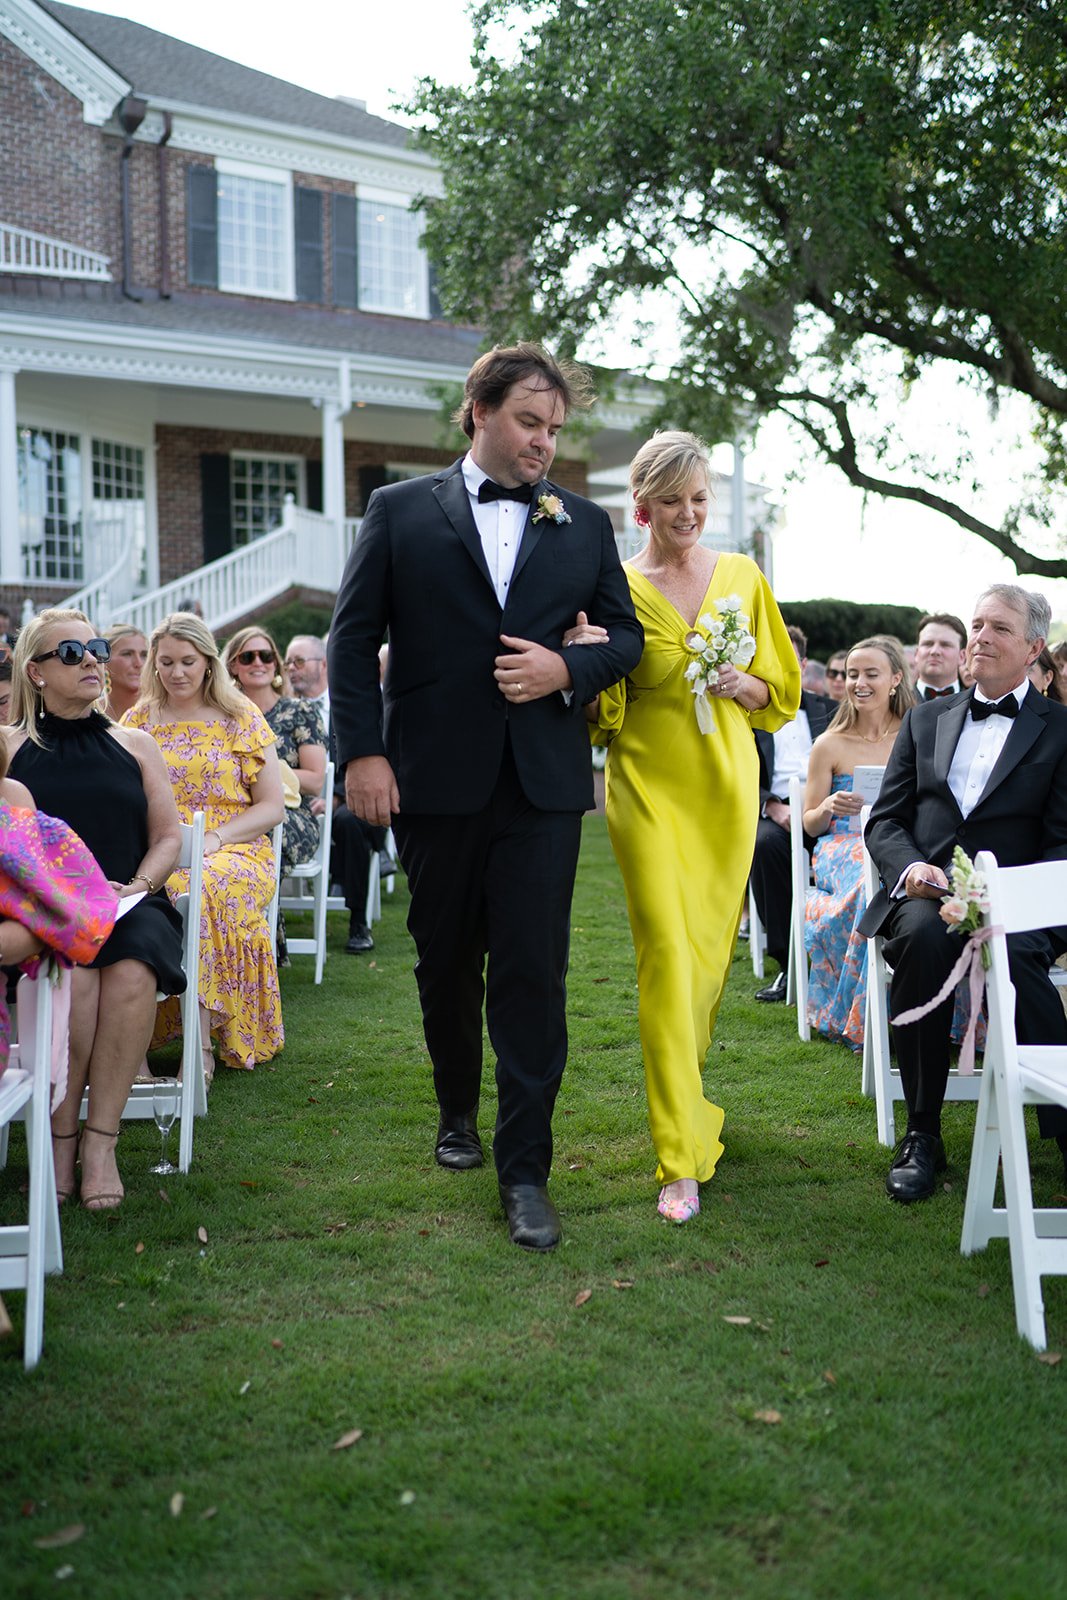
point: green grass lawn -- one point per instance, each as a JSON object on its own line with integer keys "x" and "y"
{"x": 875, "y": 1429}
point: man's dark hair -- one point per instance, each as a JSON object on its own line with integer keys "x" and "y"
{"x": 944, "y": 619}
{"x": 493, "y": 374}
{"x": 800, "y": 640}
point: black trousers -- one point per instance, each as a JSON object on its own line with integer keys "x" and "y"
{"x": 772, "y": 884}
{"x": 490, "y": 916}
{"x": 352, "y": 844}
{"x": 922, "y": 953}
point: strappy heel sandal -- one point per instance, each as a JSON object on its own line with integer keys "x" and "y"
{"x": 101, "y": 1199}
{"x": 63, "y": 1195}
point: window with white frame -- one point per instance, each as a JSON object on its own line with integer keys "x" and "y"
{"x": 255, "y": 230}
{"x": 258, "y": 487}
{"x": 393, "y": 271}
{"x": 118, "y": 521}
{"x": 50, "y": 504}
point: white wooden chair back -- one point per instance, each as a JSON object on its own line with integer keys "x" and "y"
{"x": 307, "y": 886}
{"x": 28, "y": 1251}
{"x": 192, "y": 1089}
{"x": 1020, "y": 899}
{"x": 800, "y": 882}
{"x": 272, "y": 909}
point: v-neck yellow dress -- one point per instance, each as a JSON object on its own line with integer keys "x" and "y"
{"x": 682, "y": 808}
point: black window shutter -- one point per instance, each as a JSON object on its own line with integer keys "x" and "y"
{"x": 370, "y": 478}
{"x": 202, "y": 207}
{"x": 215, "y": 506}
{"x": 344, "y": 249}
{"x": 313, "y": 482}
{"x": 307, "y": 222}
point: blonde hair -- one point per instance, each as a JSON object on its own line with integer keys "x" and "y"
{"x": 27, "y": 700}
{"x": 240, "y": 639}
{"x": 122, "y": 630}
{"x": 666, "y": 463}
{"x": 901, "y": 698}
{"x": 217, "y": 690}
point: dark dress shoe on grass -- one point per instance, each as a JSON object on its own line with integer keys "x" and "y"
{"x": 533, "y": 1221}
{"x": 775, "y": 990}
{"x": 913, "y": 1175}
{"x": 458, "y": 1145}
{"x": 359, "y": 939}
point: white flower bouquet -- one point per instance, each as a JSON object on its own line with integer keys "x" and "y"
{"x": 717, "y": 641}
{"x": 966, "y": 909}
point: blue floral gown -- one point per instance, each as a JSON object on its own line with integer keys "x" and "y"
{"x": 837, "y": 980}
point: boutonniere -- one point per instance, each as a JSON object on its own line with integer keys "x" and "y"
{"x": 550, "y": 508}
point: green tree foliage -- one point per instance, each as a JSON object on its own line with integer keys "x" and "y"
{"x": 840, "y": 197}
{"x": 830, "y": 625}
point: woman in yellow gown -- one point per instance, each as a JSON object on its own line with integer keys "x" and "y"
{"x": 682, "y": 804}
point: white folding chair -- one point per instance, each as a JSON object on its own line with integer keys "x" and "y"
{"x": 801, "y": 885}
{"x": 28, "y": 1251}
{"x": 307, "y": 887}
{"x": 757, "y": 934}
{"x": 881, "y": 1079}
{"x": 192, "y": 1089}
{"x": 272, "y": 909}
{"x": 1020, "y": 899}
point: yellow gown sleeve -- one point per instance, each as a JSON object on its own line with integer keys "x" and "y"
{"x": 612, "y": 709}
{"x": 775, "y": 660}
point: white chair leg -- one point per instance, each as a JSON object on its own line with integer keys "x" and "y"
{"x": 1022, "y": 1233}
{"x": 978, "y": 1220}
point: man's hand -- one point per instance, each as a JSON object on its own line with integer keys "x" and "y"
{"x": 531, "y": 673}
{"x": 917, "y": 885}
{"x": 779, "y": 812}
{"x": 370, "y": 790}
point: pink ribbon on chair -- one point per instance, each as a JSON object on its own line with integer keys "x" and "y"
{"x": 969, "y": 965}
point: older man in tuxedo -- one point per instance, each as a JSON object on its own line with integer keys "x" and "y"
{"x": 483, "y": 763}
{"x": 985, "y": 769}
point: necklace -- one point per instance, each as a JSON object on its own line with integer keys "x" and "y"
{"x": 882, "y": 736}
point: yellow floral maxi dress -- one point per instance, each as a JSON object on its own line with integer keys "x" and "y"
{"x": 212, "y": 765}
{"x": 682, "y": 808}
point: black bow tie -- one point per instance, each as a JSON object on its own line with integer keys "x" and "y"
{"x": 500, "y": 491}
{"x": 936, "y": 694}
{"x": 1008, "y": 707}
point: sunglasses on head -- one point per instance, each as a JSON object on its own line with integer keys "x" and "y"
{"x": 247, "y": 657}
{"x": 70, "y": 651}
{"x": 302, "y": 661}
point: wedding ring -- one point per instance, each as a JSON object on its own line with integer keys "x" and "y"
{"x": 519, "y": 687}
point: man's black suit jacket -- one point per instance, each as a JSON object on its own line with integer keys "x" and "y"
{"x": 418, "y": 569}
{"x": 819, "y": 709}
{"x": 1021, "y": 814}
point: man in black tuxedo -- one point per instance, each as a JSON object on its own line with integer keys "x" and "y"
{"x": 782, "y": 755}
{"x": 483, "y": 763}
{"x": 985, "y": 769}
{"x": 941, "y": 643}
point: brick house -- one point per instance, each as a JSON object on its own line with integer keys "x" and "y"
{"x": 212, "y": 294}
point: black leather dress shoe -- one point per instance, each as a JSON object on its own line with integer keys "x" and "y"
{"x": 919, "y": 1157}
{"x": 775, "y": 990}
{"x": 533, "y": 1221}
{"x": 359, "y": 939}
{"x": 458, "y": 1145}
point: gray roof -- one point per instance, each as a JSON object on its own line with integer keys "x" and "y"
{"x": 169, "y": 70}
{"x": 231, "y": 317}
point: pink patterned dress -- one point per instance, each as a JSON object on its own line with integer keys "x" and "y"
{"x": 212, "y": 767}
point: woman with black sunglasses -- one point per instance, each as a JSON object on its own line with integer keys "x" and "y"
{"x": 110, "y": 785}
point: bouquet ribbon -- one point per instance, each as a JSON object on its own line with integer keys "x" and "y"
{"x": 971, "y": 966}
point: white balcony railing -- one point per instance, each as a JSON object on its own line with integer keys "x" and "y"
{"x": 307, "y": 550}
{"x": 41, "y": 257}
{"x": 112, "y": 554}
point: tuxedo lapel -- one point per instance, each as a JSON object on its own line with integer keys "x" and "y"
{"x": 450, "y": 492}
{"x": 531, "y": 534}
{"x": 1026, "y": 728}
{"x": 947, "y": 737}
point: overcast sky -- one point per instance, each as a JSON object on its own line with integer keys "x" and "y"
{"x": 831, "y": 543}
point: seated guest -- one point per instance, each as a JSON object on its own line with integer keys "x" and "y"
{"x": 782, "y": 755}
{"x": 986, "y": 770}
{"x": 305, "y": 663}
{"x": 5, "y": 691}
{"x": 942, "y": 642}
{"x": 220, "y": 755}
{"x": 835, "y": 675}
{"x": 129, "y": 652}
{"x": 861, "y": 734}
{"x": 1058, "y": 652}
{"x": 252, "y": 659}
{"x": 814, "y": 679}
{"x": 1045, "y": 678}
{"x": 110, "y": 785}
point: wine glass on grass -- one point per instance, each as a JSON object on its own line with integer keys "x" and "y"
{"x": 164, "y": 1109}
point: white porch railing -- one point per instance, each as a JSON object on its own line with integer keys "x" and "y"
{"x": 308, "y": 549}
{"x": 111, "y": 555}
{"x": 37, "y": 254}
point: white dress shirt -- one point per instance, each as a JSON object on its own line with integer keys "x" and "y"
{"x": 500, "y": 525}
{"x": 792, "y": 747}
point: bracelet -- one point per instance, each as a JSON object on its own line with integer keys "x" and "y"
{"x": 142, "y": 877}
{"x": 217, "y": 834}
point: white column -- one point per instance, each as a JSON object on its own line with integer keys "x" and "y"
{"x": 10, "y": 555}
{"x": 738, "y": 519}
{"x": 333, "y": 462}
